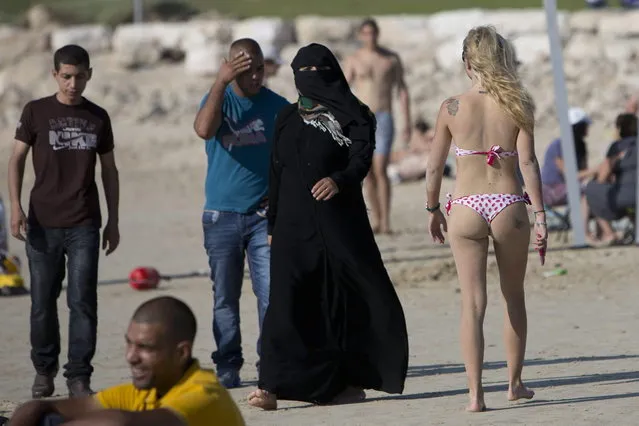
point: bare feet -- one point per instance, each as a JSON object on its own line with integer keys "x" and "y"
{"x": 603, "y": 242}
{"x": 477, "y": 404}
{"x": 476, "y": 407}
{"x": 263, "y": 399}
{"x": 350, "y": 395}
{"x": 606, "y": 239}
{"x": 519, "y": 391}
{"x": 385, "y": 229}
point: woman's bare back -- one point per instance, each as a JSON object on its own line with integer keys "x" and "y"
{"x": 477, "y": 123}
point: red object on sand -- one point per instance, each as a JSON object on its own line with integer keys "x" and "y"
{"x": 144, "y": 278}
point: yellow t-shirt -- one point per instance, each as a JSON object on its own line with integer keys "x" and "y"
{"x": 198, "y": 398}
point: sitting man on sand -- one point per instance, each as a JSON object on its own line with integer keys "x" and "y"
{"x": 169, "y": 388}
{"x": 409, "y": 165}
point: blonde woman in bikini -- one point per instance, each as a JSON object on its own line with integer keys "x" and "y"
{"x": 492, "y": 125}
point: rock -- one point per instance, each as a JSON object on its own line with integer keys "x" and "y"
{"x": 283, "y": 85}
{"x": 397, "y": 31}
{"x": 448, "y": 54}
{"x": 12, "y": 52}
{"x": 9, "y": 31}
{"x": 342, "y": 50}
{"x": 94, "y": 38}
{"x": 204, "y": 60}
{"x": 12, "y": 98}
{"x": 165, "y": 35}
{"x": 202, "y": 32}
{"x": 514, "y": 22}
{"x": 139, "y": 55}
{"x": 572, "y": 69}
{"x": 422, "y": 70}
{"x": 154, "y": 108}
{"x": 600, "y": 69}
{"x": 14, "y": 49}
{"x": 532, "y": 48}
{"x": 586, "y": 21}
{"x": 621, "y": 25}
{"x": 584, "y": 46}
{"x": 318, "y": 29}
{"x": 621, "y": 50}
{"x": 269, "y": 31}
{"x": 288, "y": 53}
{"x": 39, "y": 16}
{"x": 454, "y": 24}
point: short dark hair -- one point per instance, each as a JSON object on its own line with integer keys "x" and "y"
{"x": 71, "y": 54}
{"x": 627, "y": 125}
{"x": 251, "y": 46}
{"x": 369, "y": 22}
{"x": 422, "y": 125}
{"x": 175, "y": 315}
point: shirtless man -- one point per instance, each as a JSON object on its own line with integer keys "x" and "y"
{"x": 374, "y": 72}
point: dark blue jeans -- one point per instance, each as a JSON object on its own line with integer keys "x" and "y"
{"x": 47, "y": 249}
{"x": 51, "y": 420}
{"x": 227, "y": 237}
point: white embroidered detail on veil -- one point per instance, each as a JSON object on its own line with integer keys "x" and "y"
{"x": 327, "y": 123}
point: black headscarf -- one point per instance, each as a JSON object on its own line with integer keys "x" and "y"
{"x": 327, "y": 87}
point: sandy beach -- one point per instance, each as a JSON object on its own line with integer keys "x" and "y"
{"x": 582, "y": 352}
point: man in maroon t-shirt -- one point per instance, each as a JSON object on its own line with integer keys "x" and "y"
{"x": 66, "y": 133}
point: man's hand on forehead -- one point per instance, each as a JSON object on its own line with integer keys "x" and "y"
{"x": 236, "y": 53}
{"x": 233, "y": 67}
{"x": 242, "y": 51}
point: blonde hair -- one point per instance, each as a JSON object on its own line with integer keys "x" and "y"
{"x": 494, "y": 61}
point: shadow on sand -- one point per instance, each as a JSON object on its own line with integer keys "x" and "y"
{"x": 424, "y": 257}
{"x": 437, "y": 369}
{"x": 617, "y": 378}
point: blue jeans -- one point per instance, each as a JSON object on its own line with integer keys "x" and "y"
{"x": 46, "y": 250}
{"x": 51, "y": 420}
{"x": 227, "y": 237}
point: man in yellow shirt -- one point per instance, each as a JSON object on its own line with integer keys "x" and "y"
{"x": 168, "y": 386}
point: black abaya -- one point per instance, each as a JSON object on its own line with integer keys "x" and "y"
{"x": 334, "y": 319}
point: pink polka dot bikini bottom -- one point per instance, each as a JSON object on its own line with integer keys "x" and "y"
{"x": 487, "y": 205}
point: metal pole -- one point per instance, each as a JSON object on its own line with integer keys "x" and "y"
{"x": 637, "y": 192}
{"x": 138, "y": 11}
{"x": 567, "y": 140}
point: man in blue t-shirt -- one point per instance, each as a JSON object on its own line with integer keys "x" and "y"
{"x": 552, "y": 172}
{"x": 237, "y": 119}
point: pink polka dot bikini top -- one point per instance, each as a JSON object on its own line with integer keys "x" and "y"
{"x": 494, "y": 153}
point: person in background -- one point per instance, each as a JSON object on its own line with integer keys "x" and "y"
{"x": 67, "y": 134}
{"x": 410, "y": 164}
{"x": 420, "y": 141}
{"x": 626, "y": 135}
{"x": 4, "y": 235}
{"x": 334, "y": 325}
{"x": 272, "y": 61}
{"x": 374, "y": 72}
{"x": 168, "y": 386}
{"x": 552, "y": 173}
{"x": 632, "y": 105}
{"x": 613, "y": 192}
{"x": 236, "y": 119}
{"x": 492, "y": 124}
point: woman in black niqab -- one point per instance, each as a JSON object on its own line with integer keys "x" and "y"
{"x": 326, "y": 84}
{"x": 334, "y": 325}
